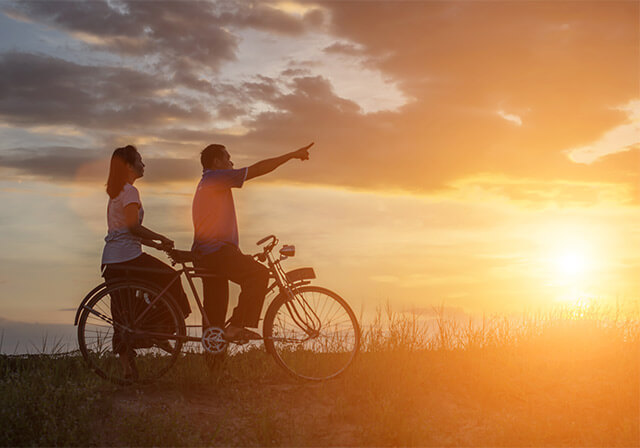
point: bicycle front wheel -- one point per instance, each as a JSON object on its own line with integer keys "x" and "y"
{"x": 128, "y": 334}
{"x": 313, "y": 334}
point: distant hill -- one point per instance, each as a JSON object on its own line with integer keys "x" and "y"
{"x": 22, "y": 337}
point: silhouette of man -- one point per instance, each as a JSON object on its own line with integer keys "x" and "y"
{"x": 216, "y": 239}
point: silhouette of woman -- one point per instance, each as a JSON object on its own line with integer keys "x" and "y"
{"x": 126, "y": 234}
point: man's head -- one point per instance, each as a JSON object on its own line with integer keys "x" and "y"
{"x": 215, "y": 157}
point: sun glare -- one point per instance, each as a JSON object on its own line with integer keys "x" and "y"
{"x": 571, "y": 263}
{"x": 572, "y": 266}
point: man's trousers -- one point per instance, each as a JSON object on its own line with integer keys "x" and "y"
{"x": 228, "y": 263}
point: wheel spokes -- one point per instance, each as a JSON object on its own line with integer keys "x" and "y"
{"x": 318, "y": 352}
{"x": 120, "y": 351}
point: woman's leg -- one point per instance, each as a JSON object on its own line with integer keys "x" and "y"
{"x": 161, "y": 279}
{"x": 118, "y": 307}
{"x": 117, "y": 312}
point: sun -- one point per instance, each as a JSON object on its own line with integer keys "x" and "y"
{"x": 571, "y": 263}
{"x": 571, "y": 269}
{"x": 571, "y": 253}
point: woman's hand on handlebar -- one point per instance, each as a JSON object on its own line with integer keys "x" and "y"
{"x": 165, "y": 244}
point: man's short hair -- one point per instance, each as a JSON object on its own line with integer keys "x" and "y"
{"x": 211, "y": 153}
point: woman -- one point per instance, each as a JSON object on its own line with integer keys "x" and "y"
{"x": 123, "y": 248}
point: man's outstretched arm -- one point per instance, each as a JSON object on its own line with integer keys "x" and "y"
{"x": 266, "y": 166}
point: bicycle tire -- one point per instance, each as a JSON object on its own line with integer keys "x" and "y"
{"x": 106, "y": 346}
{"x": 324, "y": 355}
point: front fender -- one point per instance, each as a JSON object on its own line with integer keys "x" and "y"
{"x": 299, "y": 275}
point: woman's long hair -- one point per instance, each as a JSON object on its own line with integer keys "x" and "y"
{"x": 118, "y": 171}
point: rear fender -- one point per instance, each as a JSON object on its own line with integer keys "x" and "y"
{"x": 102, "y": 286}
{"x": 88, "y": 297}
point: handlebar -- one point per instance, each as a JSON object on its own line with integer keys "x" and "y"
{"x": 186, "y": 256}
{"x": 270, "y": 245}
{"x": 262, "y": 256}
{"x": 265, "y": 239}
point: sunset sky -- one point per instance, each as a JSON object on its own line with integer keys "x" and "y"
{"x": 480, "y": 155}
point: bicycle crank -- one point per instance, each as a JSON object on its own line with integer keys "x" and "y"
{"x": 213, "y": 340}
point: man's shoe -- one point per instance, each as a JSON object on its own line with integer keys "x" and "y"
{"x": 251, "y": 335}
{"x": 235, "y": 334}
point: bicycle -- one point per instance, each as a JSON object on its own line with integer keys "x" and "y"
{"x": 309, "y": 330}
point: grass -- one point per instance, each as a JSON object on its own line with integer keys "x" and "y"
{"x": 566, "y": 378}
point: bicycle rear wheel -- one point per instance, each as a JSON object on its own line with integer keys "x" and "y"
{"x": 314, "y": 335}
{"x": 128, "y": 336}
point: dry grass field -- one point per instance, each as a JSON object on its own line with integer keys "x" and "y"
{"x": 568, "y": 378}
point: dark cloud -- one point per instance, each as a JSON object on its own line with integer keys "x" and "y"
{"x": 187, "y": 37}
{"x": 315, "y": 17}
{"x": 422, "y": 149}
{"x": 561, "y": 67}
{"x": 344, "y": 48}
{"x": 92, "y": 165}
{"x": 170, "y": 169}
{"x": 294, "y": 72}
{"x": 55, "y": 163}
{"x": 182, "y": 30}
{"x": 38, "y": 89}
{"x": 233, "y": 101}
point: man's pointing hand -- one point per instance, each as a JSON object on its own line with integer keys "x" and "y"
{"x": 302, "y": 153}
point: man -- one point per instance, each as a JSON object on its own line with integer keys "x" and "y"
{"x": 216, "y": 240}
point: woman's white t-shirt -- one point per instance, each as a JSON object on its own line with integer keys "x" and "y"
{"x": 122, "y": 245}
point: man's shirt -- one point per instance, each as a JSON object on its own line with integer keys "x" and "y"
{"x": 213, "y": 211}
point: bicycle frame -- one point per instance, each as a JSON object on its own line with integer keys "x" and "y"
{"x": 308, "y": 320}
{"x": 282, "y": 281}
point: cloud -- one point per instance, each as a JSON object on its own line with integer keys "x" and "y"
{"x": 563, "y": 63}
{"x": 460, "y": 63}
{"x": 418, "y": 149}
{"x": 56, "y": 163}
{"x": 170, "y": 169}
{"x": 619, "y": 139}
{"x": 187, "y": 39}
{"x": 91, "y": 165}
{"x": 38, "y": 89}
{"x": 513, "y": 118}
{"x": 181, "y": 30}
{"x": 346, "y": 48}
{"x": 269, "y": 17}
{"x": 538, "y": 193}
